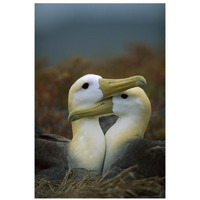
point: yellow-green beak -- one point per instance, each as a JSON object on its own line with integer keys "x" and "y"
{"x": 101, "y": 108}
{"x": 110, "y": 87}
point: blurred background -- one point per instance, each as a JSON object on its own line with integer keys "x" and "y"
{"x": 111, "y": 40}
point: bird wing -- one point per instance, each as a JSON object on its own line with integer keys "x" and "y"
{"x": 51, "y": 153}
{"x": 148, "y": 155}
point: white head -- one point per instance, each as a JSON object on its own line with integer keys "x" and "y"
{"x": 91, "y": 88}
{"x": 132, "y": 102}
{"x": 85, "y": 92}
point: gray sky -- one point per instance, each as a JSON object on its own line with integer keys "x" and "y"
{"x": 95, "y": 30}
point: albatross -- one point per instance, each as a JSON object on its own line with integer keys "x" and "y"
{"x": 87, "y": 147}
{"x": 125, "y": 145}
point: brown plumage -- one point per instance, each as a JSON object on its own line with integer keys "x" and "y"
{"x": 147, "y": 155}
{"x": 50, "y": 155}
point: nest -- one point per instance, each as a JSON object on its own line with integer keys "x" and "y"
{"x": 124, "y": 185}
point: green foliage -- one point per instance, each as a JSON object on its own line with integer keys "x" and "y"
{"x": 52, "y": 86}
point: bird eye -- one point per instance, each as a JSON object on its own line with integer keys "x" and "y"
{"x": 124, "y": 96}
{"x": 85, "y": 85}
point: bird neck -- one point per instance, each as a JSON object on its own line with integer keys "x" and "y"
{"x": 126, "y": 128}
{"x": 87, "y": 148}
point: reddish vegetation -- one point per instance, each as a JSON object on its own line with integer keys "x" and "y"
{"x": 52, "y": 86}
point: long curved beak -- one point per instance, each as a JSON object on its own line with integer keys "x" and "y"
{"x": 101, "y": 108}
{"x": 110, "y": 87}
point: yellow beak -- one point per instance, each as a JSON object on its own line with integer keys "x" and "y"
{"x": 110, "y": 87}
{"x": 101, "y": 108}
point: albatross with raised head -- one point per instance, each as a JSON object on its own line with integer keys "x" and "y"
{"x": 125, "y": 145}
{"x": 87, "y": 147}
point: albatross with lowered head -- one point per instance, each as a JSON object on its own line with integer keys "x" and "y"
{"x": 87, "y": 147}
{"x": 125, "y": 145}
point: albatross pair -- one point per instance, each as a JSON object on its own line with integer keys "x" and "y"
{"x": 87, "y": 148}
{"x": 125, "y": 145}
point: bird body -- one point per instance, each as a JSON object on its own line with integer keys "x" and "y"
{"x": 87, "y": 148}
{"x": 134, "y": 114}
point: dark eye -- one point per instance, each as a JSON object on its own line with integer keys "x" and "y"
{"x": 85, "y": 85}
{"x": 124, "y": 96}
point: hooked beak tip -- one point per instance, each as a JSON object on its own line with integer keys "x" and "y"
{"x": 71, "y": 118}
{"x": 141, "y": 83}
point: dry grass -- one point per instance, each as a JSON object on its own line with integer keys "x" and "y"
{"x": 124, "y": 185}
